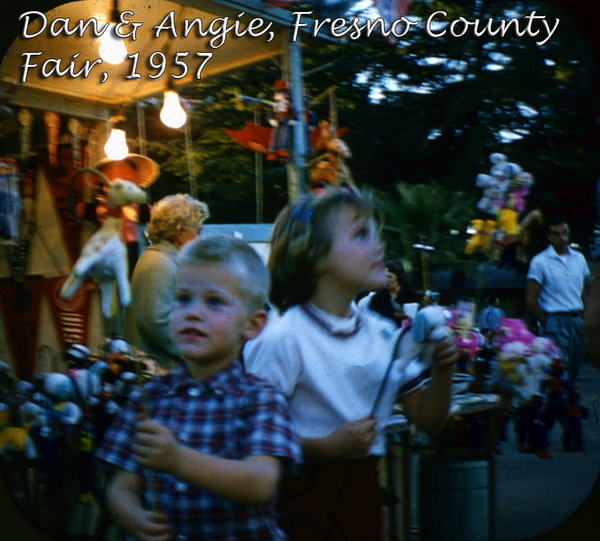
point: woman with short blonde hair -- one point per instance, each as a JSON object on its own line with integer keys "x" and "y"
{"x": 175, "y": 214}
{"x": 174, "y": 220}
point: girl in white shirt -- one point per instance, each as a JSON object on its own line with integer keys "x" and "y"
{"x": 330, "y": 359}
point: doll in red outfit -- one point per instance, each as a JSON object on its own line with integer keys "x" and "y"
{"x": 281, "y": 121}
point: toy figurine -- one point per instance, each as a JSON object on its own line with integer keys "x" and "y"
{"x": 104, "y": 256}
{"x": 281, "y": 120}
{"x": 480, "y": 241}
{"x": 328, "y": 167}
{"x": 495, "y": 185}
{"x": 572, "y": 438}
{"x": 539, "y": 435}
{"x": 555, "y": 387}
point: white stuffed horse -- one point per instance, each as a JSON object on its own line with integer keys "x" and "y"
{"x": 104, "y": 256}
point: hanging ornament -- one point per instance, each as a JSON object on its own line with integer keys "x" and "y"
{"x": 25, "y": 119}
{"x": 52, "y": 125}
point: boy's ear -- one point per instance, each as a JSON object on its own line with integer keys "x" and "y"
{"x": 255, "y": 324}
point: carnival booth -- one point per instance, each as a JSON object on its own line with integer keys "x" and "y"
{"x": 62, "y": 279}
{"x": 61, "y": 103}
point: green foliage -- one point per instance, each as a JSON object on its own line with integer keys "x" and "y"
{"x": 444, "y": 104}
{"x": 426, "y": 214}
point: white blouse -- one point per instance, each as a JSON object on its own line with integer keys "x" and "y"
{"x": 332, "y": 369}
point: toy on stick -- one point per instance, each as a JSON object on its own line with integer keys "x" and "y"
{"x": 104, "y": 256}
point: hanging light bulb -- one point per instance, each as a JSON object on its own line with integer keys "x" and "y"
{"x": 116, "y": 145}
{"x": 112, "y": 48}
{"x": 172, "y": 113}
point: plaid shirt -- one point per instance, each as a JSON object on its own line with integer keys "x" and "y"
{"x": 230, "y": 414}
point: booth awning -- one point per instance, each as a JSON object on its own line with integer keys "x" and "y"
{"x": 68, "y": 71}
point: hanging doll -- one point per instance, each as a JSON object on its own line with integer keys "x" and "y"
{"x": 505, "y": 191}
{"x": 281, "y": 119}
{"x": 104, "y": 256}
{"x": 519, "y": 190}
{"x": 480, "y": 241}
{"x": 140, "y": 170}
{"x": 328, "y": 168}
{"x": 495, "y": 185}
{"x": 555, "y": 386}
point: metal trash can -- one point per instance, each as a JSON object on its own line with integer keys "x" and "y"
{"x": 456, "y": 474}
{"x": 394, "y": 479}
{"x": 456, "y": 500}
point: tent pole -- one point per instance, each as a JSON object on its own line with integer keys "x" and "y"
{"x": 297, "y": 166}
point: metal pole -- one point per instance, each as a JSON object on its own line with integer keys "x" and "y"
{"x": 141, "y": 122}
{"x": 189, "y": 151}
{"x": 297, "y": 167}
{"x": 258, "y": 174}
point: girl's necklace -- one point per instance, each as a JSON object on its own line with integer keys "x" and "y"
{"x": 325, "y": 325}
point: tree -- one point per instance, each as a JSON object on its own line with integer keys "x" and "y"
{"x": 446, "y": 103}
{"x": 425, "y": 109}
{"x": 424, "y": 226}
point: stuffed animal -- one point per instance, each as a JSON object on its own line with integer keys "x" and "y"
{"x": 14, "y": 440}
{"x": 496, "y": 185}
{"x": 505, "y": 191}
{"x": 328, "y": 167}
{"x": 429, "y": 325}
{"x": 104, "y": 256}
{"x": 140, "y": 170}
{"x": 519, "y": 190}
{"x": 508, "y": 221}
{"x": 494, "y": 192}
{"x": 481, "y": 238}
{"x": 87, "y": 383}
{"x": 64, "y": 413}
{"x": 502, "y": 168}
{"x": 468, "y": 340}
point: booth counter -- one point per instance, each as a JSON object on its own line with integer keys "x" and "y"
{"x": 442, "y": 487}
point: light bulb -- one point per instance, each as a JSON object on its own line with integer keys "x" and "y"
{"x": 116, "y": 146}
{"x": 112, "y": 48}
{"x": 172, "y": 113}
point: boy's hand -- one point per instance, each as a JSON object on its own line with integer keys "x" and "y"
{"x": 445, "y": 354}
{"x": 155, "y": 446}
{"x": 152, "y": 526}
{"x": 353, "y": 439}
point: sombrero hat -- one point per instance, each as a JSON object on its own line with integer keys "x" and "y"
{"x": 147, "y": 170}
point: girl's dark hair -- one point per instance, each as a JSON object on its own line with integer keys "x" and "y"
{"x": 396, "y": 267}
{"x": 301, "y": 239}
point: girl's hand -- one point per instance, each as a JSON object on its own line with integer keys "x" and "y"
{"x": 152, "y": 526}
{"x": 155, "y": 446}
{"x": 353, "y": 439}
{"x": 445, "y": 355}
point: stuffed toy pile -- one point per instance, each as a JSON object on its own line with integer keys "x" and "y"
{"x": 502, "y": 206}
{"x": 52, "y": 425}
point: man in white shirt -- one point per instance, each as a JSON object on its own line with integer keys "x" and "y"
{"x": 555, "y": 286}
